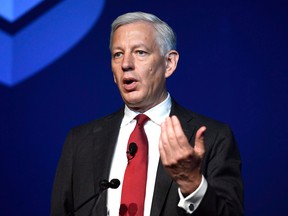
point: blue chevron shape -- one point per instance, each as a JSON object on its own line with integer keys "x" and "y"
{"x": 11, "y": 10}
{"x": 45, "y": 39}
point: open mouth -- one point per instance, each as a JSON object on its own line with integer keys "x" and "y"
{"x": 129, "y": 81}
{"x": 129, "y": 84}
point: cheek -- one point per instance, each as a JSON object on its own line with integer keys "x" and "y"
{"x": 152, "y": 72}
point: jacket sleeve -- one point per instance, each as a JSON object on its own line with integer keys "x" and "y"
{"x": 222, "y": 169}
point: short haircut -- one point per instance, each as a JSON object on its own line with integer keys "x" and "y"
{"x": 165, "y": 35}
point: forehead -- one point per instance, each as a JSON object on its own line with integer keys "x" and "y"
{"x": 138, "y": 30}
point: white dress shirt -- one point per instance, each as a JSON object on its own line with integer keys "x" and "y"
{"x": 119, "y": 162}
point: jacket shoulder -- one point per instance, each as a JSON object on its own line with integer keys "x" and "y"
{"x": 195, "y": 118}
{"x": 94, "y": 125}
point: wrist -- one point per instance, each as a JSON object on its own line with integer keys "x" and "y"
{"x": 189, "y": 185}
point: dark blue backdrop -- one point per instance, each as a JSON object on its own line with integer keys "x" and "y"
{"x": 233, "y": 52}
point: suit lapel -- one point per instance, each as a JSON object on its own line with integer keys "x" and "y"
{"x": 162, "y": 186}
{"x": 105, "y": 138}
{"x": 164, "y": 183}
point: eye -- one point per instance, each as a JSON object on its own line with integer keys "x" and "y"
{"x": 117, "y": 55}
{"x": 141, "y": 53}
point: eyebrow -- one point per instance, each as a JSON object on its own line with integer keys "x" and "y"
{"x": 136, "y": 46}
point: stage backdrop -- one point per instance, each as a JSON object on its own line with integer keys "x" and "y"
{"x": 55, "y": 74}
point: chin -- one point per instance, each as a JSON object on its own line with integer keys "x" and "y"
{"x": 134, "y": 104}
{"x": 132, "y": 98}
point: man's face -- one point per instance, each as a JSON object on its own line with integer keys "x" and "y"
{"x": 138, "y": 68}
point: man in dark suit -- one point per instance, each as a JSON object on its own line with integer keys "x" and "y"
{"x": 194, "y": 165}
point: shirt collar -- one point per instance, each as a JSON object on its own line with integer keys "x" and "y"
{"x": 157, "y": 114}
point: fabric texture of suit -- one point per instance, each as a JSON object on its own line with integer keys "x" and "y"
{"x": 88, "y": 152}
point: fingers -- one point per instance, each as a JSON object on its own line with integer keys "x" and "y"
{"x": 179, "y": 134}
{"x": 199, "y": 147}
{"x": 169, "y": 135}
{"x": 172, "y": 137}
{"x": 164, "y": 146}
{"x": 173, "y": 140}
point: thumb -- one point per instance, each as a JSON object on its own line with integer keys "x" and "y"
{"x": 199, "y": 147}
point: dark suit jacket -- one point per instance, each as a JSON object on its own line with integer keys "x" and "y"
{"x": 87, "y": 154}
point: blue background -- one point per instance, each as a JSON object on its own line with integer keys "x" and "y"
{"x": 233, "y": 67}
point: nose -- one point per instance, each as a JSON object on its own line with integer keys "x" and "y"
{"x": 127, "y": 62}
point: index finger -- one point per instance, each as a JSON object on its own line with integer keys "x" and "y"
{"x": 179, "y": 133}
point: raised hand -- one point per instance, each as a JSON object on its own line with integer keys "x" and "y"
{"x": 179, "y": 158}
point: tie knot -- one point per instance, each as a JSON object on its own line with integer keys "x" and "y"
{"x": 141, "y": 119}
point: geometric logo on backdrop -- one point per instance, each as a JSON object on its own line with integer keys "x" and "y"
{"x": 35, "y": 33}
{"x": 12, "y": 10}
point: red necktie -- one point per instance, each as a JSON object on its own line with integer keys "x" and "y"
{"x": 134, "y": 184}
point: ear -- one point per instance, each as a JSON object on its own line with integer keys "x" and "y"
{"x": 114, "y": 78}
{"x": 171, "y": 59}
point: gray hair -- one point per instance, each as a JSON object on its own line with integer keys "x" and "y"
{"x": 166, "y": 37}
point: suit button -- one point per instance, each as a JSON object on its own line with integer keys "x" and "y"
{"x": 191, "y": 207}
